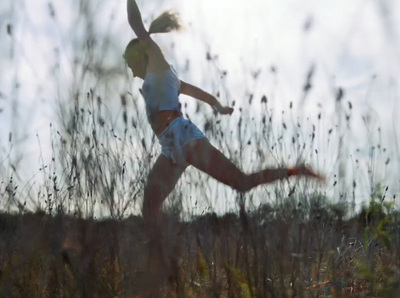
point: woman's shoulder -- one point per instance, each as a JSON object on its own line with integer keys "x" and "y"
{"x": 156, "y": 59}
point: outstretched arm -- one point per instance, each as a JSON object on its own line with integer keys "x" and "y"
{"x": 200, "y": 94}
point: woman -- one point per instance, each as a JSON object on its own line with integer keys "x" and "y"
{"x": 182, "y": 142}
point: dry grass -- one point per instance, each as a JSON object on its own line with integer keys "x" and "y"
{"x": 75, "y": 230}
{"x": 272, "y": 252}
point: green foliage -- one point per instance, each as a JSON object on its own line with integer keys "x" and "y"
{"x": 241, "y": 280}
{"x": 380, "y": 224}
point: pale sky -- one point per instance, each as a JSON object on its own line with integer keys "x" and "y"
{"x": 353, "y": 44}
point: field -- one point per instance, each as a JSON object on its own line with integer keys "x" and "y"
{"x": 76, "y": 149}
{"x": 286, "y": 251}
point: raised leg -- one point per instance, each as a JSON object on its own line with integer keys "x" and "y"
{"x": 205, "y": 157}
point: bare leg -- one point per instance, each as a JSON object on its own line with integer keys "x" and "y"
{"x": 202, "y": 155}
{"x": 161, "y": 181}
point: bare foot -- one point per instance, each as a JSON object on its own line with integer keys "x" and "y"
{"x": 302, "y": 170}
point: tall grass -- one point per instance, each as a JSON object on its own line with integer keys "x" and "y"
{"x": 75, "y": 228}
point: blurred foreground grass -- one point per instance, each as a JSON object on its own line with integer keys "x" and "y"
{"x": 271, "y": 252}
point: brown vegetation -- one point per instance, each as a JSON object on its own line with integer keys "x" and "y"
{"x": 272, "y": 252}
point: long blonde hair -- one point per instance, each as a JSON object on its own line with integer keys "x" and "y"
{"x": 166, "y": 22}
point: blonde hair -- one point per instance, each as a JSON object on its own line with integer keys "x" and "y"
{"x": 166, "y": 22}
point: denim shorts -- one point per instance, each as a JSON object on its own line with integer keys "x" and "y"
{"x": 179, "y": 133}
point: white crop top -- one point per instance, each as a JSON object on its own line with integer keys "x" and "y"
{"x": 160, "y": 91}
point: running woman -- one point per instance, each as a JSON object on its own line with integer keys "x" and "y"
{"x": 182, "y": 143}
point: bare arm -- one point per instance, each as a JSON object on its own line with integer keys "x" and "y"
{"x": 200, "y": 94}
{"x": 157, "y": 61}
{"x": 135, "y": 20}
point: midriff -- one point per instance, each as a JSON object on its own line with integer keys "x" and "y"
{"x": 160, "y": 120}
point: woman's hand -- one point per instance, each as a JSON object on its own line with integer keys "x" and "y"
{"x": 225, "y": 110}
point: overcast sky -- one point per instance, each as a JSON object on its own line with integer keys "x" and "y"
{"x": 354, "y": 45}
